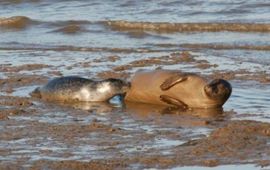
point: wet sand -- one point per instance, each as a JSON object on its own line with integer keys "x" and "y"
{"x": 114, "y": 146}
{"x": 98, "y": 135}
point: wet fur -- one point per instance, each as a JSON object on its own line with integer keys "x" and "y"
{"x": 174, "y": 88}
{"x": 80, "y": 89}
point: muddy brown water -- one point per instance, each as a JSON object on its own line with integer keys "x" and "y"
{"x": 40, "y": 40}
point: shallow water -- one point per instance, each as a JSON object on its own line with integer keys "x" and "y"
{"x": 80, "y": 38}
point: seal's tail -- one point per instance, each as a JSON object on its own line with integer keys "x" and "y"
{"x": 36, "y": 93}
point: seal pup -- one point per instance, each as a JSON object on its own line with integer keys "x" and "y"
{"x": 174, "y": 88}
{"x": 74, "y": 88}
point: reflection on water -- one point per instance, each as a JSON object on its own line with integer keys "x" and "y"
{"x": 143, "y": 110}
{"x": 173, "y": 117}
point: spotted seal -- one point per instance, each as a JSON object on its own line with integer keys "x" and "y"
{"x": 174, "y": 88}
{"x": 81, "y": 89}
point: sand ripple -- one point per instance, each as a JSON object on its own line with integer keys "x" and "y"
{"x": 188, "y": 27}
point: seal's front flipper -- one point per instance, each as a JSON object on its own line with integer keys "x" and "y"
{"x": 173, "y": 101}
{"x": 36, "y": 93}
{"x": 173, "y": 80}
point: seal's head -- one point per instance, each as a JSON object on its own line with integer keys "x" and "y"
{"x": 219, "y": 90}
{"x": 116, "y": 86}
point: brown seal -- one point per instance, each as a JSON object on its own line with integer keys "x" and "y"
{"x": 174, "y": 88}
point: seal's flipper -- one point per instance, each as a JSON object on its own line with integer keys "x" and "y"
{"x": 173, "y": 80}
{"x": 36, "y": 93}
{"x": 173, "y": 101}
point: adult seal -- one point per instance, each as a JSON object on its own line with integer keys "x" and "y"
{"x": 174, "y": 88}
{"x": 81, "y": 89}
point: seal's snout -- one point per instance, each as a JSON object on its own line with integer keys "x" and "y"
{"x": 218, "y": 89}
{"x": 126, "y": 86}
{"x": 119, "y": 85}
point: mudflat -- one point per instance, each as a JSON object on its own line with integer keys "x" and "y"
{"x": 42, "y": 40}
